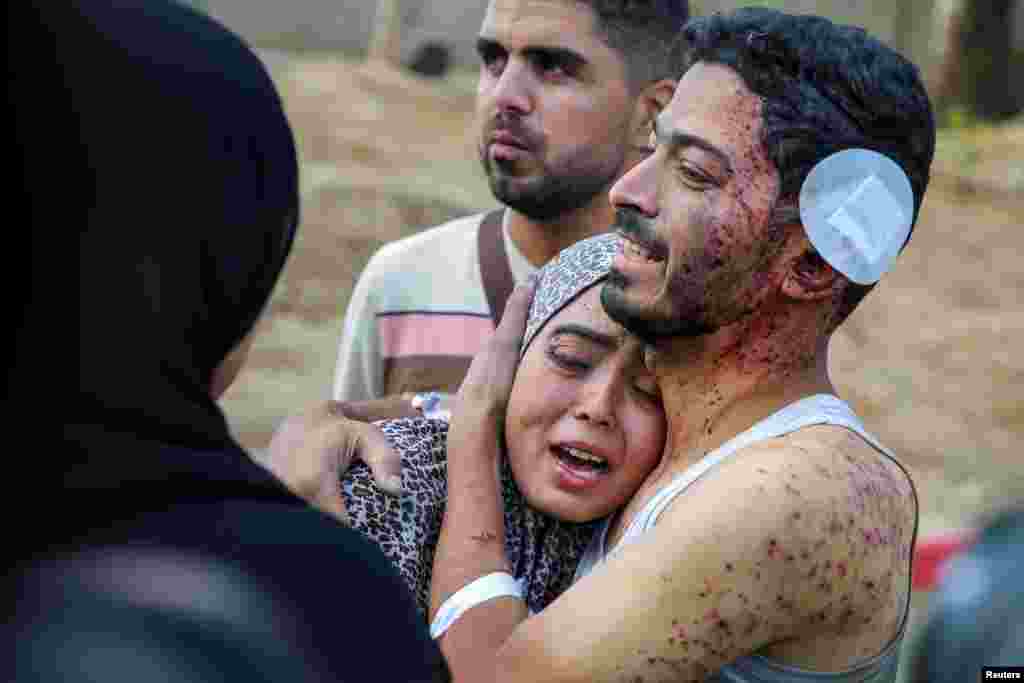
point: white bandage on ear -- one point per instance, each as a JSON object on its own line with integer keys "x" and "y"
{"x": 857, "y": 207}
{"x": 488, "y": 587}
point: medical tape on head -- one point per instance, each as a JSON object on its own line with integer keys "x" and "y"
{"x": 857, "y": 208}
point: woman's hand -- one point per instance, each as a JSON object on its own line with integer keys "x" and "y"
{"x": 488, "y": 383}
{"x": 311, "y": 451}
{"x": 472, "y": 540}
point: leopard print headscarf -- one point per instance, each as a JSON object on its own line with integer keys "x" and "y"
{"x": 565, "y": 277}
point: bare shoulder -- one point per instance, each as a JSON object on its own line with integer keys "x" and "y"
{"x": 831, "y": 518}
{"x": 826, "y": 464}
{"x": 870, "y": 484}
{"x": 797, "y": 548}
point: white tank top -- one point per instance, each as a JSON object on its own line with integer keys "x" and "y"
{"x": 820, "y": 409}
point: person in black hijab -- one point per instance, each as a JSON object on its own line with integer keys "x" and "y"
{"x": 156, "y": 140}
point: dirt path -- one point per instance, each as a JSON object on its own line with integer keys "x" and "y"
{"x": 931, "y": 360}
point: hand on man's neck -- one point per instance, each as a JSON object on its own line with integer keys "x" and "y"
{"x": 717, "y": 386}
{"x": 540, "y": 241}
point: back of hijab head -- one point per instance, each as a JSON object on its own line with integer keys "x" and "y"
{"x": 190, "y": 211}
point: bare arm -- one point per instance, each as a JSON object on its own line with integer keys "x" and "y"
{"x": 472, "y": 541}
{"x": 782, "y": 552}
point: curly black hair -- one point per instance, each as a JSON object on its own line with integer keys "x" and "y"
{"x": 825, "y": 88}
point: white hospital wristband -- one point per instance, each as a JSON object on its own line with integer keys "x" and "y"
{"x": 485, "y": 588}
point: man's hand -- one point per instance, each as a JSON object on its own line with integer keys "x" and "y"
{"x": 311, "y": 451}
{"x": 387, "y": 408}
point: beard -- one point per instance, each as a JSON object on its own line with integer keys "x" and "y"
{"x": 647, "y": 324}
{"x": 557, "y": 190}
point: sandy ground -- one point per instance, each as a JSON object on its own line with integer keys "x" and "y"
{"x": 931, "y": 359}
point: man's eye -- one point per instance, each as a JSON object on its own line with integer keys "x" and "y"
{"x": 493, "y": 61}
{"x": 548, "y": 64}
{"x": 553, "y": 65}
{"x": 695, "y": 176}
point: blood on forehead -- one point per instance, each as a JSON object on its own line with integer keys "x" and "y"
{"x": 713, "y": 103}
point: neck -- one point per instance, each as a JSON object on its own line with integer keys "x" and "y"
{"x": 717, "y": 386}
{"x": 540, "y": 241}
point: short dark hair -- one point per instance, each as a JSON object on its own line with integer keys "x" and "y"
{"x": 647, "y": 33}
{"x": 825, "y": 88}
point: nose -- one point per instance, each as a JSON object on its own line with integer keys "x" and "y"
{"x": 598, "y": 401}
{"x": 512, "y": 92}
{"x": 638, "y": 188}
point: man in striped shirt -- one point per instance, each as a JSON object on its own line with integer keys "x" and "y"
{"x": 567, "y": 94}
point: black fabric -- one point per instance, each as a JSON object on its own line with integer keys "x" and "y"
{"x": 161, "y": 178}
{"x": 261, "y": 593}
{"x": 195, "y": 209}
{"x": 190, "y": 210}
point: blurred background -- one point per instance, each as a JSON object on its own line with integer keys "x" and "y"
{"x": 380, "y": 95}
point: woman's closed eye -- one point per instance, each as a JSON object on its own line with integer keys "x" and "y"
{"x": 572, "y": 353}
{"x": 570, "y": 360}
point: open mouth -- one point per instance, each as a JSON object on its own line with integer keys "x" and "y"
{"x": 637, "y": 251}
{"x": 580, "y": 462}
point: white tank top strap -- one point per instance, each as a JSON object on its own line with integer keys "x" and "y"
{"x": 812, "y": 410}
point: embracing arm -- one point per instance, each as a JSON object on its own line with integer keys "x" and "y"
{"x": 776, "y": 557}
{"x": 472, "y": 544}
{"x": 472, "y": 540}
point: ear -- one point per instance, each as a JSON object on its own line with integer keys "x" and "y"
{"x": 649, "y": 103}
{"x": 810, "y": 277}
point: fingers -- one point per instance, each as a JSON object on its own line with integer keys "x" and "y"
{"x": 331, "y": 501}
{"x": 517, "y": 309}
{"x": 384, "y": 461}
{"x": 367, "y": 443}
{"x": 391, "y": 407}
{"x": 311, "y": 451}
{"x": 489, "y": 380}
